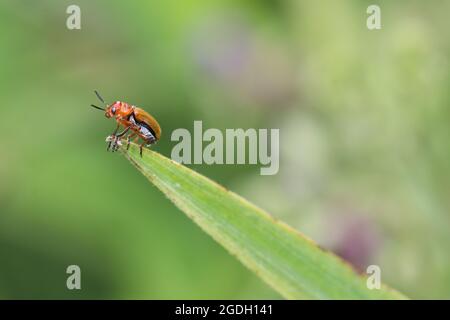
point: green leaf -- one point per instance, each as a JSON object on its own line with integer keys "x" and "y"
{"x": 284, "y": 258}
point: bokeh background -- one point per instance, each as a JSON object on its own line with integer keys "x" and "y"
{"x": 364, "y": 128}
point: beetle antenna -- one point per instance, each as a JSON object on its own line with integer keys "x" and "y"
{"x": 99, "y": 96}
{"x": 94, "y": 106}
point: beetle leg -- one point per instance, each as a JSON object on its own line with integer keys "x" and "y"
{"x": 147, "y": 143}
{"x": 113, "y": 135}
{"x": 140, "y": 148}
{"x": 116, "y": 145}
{"x": 123, "y": 132}
{"x": 129, "y": 139}
{"x": 117, "y": 142}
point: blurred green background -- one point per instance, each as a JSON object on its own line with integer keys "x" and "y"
{"x": 364, "y": 129}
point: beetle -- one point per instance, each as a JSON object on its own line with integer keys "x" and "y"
{"x": 141, "y": 124}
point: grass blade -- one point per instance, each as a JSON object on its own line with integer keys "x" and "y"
{"x": 288, "y": 261}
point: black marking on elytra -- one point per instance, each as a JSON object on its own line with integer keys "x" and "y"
{"x": 132, "y": 118}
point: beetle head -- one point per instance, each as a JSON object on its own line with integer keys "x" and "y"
{"x": 112, "y": 109}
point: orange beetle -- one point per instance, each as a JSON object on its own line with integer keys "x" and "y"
{"x": 142, "y": 124}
